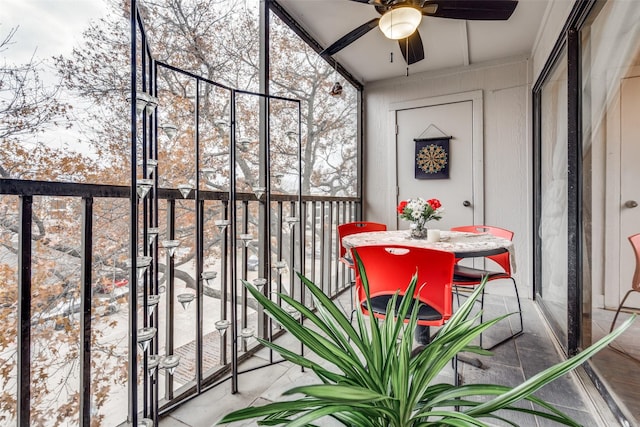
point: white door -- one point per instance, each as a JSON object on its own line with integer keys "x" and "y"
{"x": 629, "y": 180}
{"x": 456, "y": 193}
{"x": 622, "y": 190}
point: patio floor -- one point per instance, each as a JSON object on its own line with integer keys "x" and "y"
{"x": 511, "y": 364}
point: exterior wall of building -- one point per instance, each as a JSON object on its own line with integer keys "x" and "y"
{"x": 506, "y": 87}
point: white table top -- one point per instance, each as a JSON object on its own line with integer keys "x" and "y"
{"x": 462, "y": 244}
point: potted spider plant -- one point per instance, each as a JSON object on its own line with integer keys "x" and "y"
{"x": 375, "y": 378}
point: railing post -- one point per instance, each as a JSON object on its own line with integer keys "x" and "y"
{"x": 171, "y": 234}
{"x": 244, "y": 270}
{"x": 342, "y": 273}
{"x": 314, "y": 224}
{"x": 332, "y": 278}
{"x": 323, "y": 249}
{"x": 303, "y": 244}
{"x": 85, "y": 320}
{"x": 132, "y": 374}
{"x": 292, "y": 246}
{"x": 199, "y": 206}
{"x": 280, "y": 251}
{"x": 233, "y": 243}
{"x": 199, "y": 289}
{"x": 24, "y": 311}
{"x": 224, "y": 283}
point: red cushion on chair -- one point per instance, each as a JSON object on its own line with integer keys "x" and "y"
{"x": 475, "y": 275}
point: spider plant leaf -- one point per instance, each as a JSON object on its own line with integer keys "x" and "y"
{"x": 314, "y": 341}
{"x": 326, "y": 304}
{"x": 375, "y": 381}
{"x": 327, "y": 325}
{"x": 316, "y": 414}
{"x": 445, "y": 395}
{"x": 426, "y": 367}
{"x": 292, "y": 406}
{"x": 307, "y": 313}
{"x": 352, "y": 418}
{"x": 375, "y": 350}
{"x": 462, "y": 313}
{"x": 558, "y": 419}
{"x": 301, "y": 361}
{"x": 338, "y": 393}
{"x": 452, "y": 418}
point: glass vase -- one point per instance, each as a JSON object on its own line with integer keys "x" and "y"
{"x": 418, "y": 230}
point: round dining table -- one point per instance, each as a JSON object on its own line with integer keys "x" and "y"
{"x": 462, "y": 244}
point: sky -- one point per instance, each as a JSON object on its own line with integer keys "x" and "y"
{"x": 47, "y": 28}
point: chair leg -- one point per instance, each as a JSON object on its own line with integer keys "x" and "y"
{"x": 456, "y": 380}
{"x": 457, "y": 292}
{"x": 515, "y": 288}
{"x": 615, "y": 318}
{"x": 351, "y": 285}
{"x": 481, "y": 313}
{"x": 422, "y": 335}
{"x": 514, "y": 335}
{"x": 518, "y": 333}
{"x": 351, "y": 317}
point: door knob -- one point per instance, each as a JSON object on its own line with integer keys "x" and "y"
{"x": 466, "y": 203}
{"x": 631, "y": 204}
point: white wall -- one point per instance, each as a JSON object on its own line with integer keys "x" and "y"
{"x": 508, "y": 171}
{"x": 554, "y": 18}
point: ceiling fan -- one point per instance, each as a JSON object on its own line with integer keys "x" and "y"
{"x": 400, "y": 19}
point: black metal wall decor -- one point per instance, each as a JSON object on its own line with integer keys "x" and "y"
{"x": 432, "y": 158}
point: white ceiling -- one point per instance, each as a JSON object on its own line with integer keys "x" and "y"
{"x": 447, "y": 42}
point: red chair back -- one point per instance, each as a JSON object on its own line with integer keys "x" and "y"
{"x": 390, "y": 268}
{"x": 501, "y": 259}
{"x": 635, "y": 243}
{"x": 357, "y": 227}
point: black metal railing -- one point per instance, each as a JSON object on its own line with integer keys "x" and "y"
{"x": 308, "y": 245}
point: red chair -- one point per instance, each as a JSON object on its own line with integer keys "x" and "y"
{"x": 354, "y": 228}
{"x": 468, "y": 277}
{"x": 390, "y": 269}
{"x": 635, "y": 283}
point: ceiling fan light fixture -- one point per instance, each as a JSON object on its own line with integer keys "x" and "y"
{"x": 400, "y": 22}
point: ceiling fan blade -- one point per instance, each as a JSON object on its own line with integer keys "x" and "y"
{"x": 474, "y": 10}
{"x": 381, "y": 3}
{"x": 413, "y": 51}
{"x": 350, "y": 37}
